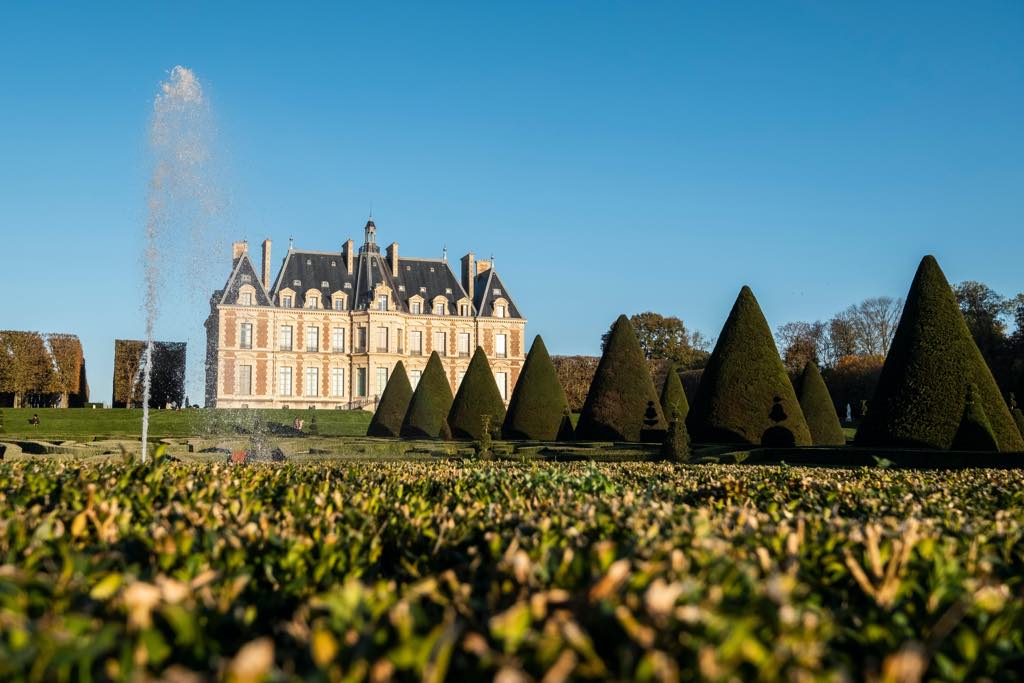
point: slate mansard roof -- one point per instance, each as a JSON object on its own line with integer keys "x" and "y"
{"x": 327, "y": 272}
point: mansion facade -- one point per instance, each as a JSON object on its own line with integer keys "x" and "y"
{"x": 328, "y": 330}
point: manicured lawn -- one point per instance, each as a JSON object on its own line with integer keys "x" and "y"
{"x": 85, "y": 423}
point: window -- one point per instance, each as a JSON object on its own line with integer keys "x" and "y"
{"x": 382, "y": 379}
{"x": 417, "y": 307}
{"x": 338, "y": 340}
{"x": 361, "y": 382}
{"x": 439, "y": 308}
{"x": 313, "y": 302}
{"x": 245, "y": 277}
{"x": 414, "y": 377}
{"x": 382, "y": 302}
{"x": 324, "y": 284}
{"x": 401, "y": 340}
{"x": 461, "y": 375}
{"x": 382, "y": 340}
{"x": 416, "y": 343}
{"x": 245, "y": 338}
{"x": 464, "y": 309}
{"x": 499, "y": 311}
{"x": 245, "y": 298}
{"x": 286, "y": 300}
{"x": 312, "y": 381}
{"x": 245, "y": 380}
{"x": 312, "y": 338}
{"x": 502, "y": 379}
{"x": 286, "y": 338}
{"x": 464, "y": 344}
{"x": 440, "y": 343}
{"x": 339, "y": 303}
{"x": 284, "y": 381}
{"x": 361, "y": 340}
{"x": 501, "y": 345}
{"x": 337, "y": 381}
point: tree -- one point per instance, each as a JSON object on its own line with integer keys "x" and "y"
{"x": 801, "y": 343}
{"x": 575, "y": 373}
{"x": 920, "y": 397}
{"x": 478, "y": 396}
{"x": 538, "y": 404}
{"x": 66, "y": 352}
{"x": 873, "y": 324}
{"x": 25, "y": 365}
{"x": 666, "y": 338}
{"x": 394, "y": 403}
{"x": 622, "y": 404}
{"x": 745, "y": 395}
{"x": 983, "y": 310}
{"x": 673, "y": 398}
{"x": 430, "y": 403}
{"x": 819, "y": 411}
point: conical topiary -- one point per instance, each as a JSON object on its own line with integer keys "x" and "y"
{"x": 819, "y": 411}
{"x": 974, "y": 433}
{"x": 394, "y": 404}
{"x": 919, "y": 400}
{"x": 314, "y": 428}
{"x": 428, "y": 409}
{"x": 478, "y": 395}
{"x": 622, "y": 404}
{"x": 673, "y": 398}
{"x": 676, "y": 446}
{"x": 745, "y": 395}
{"x": 538, "y": 404}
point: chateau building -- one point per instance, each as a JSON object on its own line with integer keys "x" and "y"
{"x": 327, "y": 332}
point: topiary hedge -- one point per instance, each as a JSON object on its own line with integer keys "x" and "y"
{"x": 621, "y": 404}
{"x": 920, "y": 399}
{"x": 538, "y": 406}
{"x": 974, "y": 433}
{"x": 428, "y": 409}
{"x": 394, "y": 404}
{"x": 818, "y": 408}
{"x": 673, "y": 397}
{"x": 745, "y": 395}
{"x": 478, "y": 396}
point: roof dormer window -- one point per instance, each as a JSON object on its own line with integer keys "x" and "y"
{"x": 245, "y": 277}
{"x": 286, "y": 301}
{"x": 312, "y": 302}
{"x": 325, "y": 284}
{"x": 348, "y": 285}
{"x": 296, "y": 283}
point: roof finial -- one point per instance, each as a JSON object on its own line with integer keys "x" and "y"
{"x": 290, "y": 240}
{"x": 444, "y": 253}
{"x": 371, "y": 209}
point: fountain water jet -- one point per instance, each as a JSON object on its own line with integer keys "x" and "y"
{"x": 179, "y": 198}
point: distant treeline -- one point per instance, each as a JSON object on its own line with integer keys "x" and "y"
{"x": 42, "y": 370}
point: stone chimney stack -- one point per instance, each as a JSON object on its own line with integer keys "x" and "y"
{"x": 469, "y": 274}
{"x": 239, "y": 249}
{"x": 349, "y": 256}
{"x": 266, "y": 264}
{"x": 392, "y": 254}
{"x": 482, "y": 266}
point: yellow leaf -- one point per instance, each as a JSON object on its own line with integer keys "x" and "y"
{"x": 324, "y": 646}
{"x": 106, "y": 587}
{"x": 78, "y": 525}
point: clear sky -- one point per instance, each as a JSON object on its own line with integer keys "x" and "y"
{"x": 614, "y": 157}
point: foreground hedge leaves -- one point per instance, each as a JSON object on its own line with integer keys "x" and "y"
{"x": 456, "y": 571}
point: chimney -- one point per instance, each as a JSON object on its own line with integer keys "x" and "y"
{"x": 349, "y": 257}
{"x": 482, "y": 266}
{"x": 468, "y": 274}
{"x": 392, "y": 254}
{"x": 266, "y": 264}
{"x": 239, "y": 249}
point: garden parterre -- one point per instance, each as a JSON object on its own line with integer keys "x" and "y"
{"x": 466, "y": 569}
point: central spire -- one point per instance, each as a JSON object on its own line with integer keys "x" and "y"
{"x": 370, "y": 232}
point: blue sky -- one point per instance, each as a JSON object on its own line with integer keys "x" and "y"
{"x": 615, "y": 157}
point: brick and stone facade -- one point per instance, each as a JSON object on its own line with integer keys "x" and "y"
{"x": 328, "y": 331}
